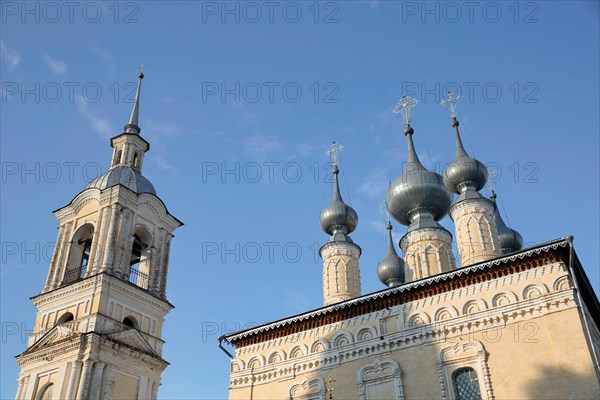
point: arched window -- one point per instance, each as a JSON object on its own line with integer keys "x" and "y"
{"x": 466, "y": 385}
{"x": 66, "y": 317}
{"x": 79, "y": 254}
{"x": 46, "y": 392}
{"x": 136, "y": 160}
{"x": 117, "y": 159}
{"x": 86, "y": 245}
{"x": 130, "y": 322}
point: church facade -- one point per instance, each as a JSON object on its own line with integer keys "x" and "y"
{"x": 507, "y": 323}
{"x": 98, "y": 330}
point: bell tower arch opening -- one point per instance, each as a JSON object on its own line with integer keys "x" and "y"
{"x": 141, "y": 257}
{"x": 79, "y": 254}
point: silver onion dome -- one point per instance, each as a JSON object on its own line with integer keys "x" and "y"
{"x": 123, "y": 175}
{"x": 338, "y": 217}
{"x": 391, "y": 269}
{"x": 464, "y": 173}
{"x": 510, "y": 240}
{"x": 418, "y": 197}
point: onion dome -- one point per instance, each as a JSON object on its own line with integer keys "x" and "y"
{"x": 123, "y": 175}
{"x": 338, "y": 217}
{"x": 465, "y": 175}
{"x": 418, "y": 197}
{"x": 510, "y": 240}
{"x": 391, "y": 269}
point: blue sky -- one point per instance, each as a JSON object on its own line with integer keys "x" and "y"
{"x": 240, "y": 103}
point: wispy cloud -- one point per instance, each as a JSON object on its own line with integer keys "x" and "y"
{"x": 162, "y": 163}
{"x": 373, "y": 4}
{"x": 105, "y": 56}
{"x": 164, "y": 129}
{"x": 260, "y": 146}
{"x": 56, "y": 66}
{"x": 10, "y": 56}
{"x": 376, "y": 184}
{"x": 100, "y": 125}
{"x": 308, "y": 149}
{"x": 296, "y": 301}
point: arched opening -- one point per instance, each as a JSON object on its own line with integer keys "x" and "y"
{"x": 466, "y": 384}
{"x": 139, "y": 261}
{"x": 136, "y": 160}
{"x": 66, "y": 317}
{"x": 45, "y": 392}
{"x": 117, "y": 158}
{"x": 79, "y": 254}
{"x": 130, "y": 322}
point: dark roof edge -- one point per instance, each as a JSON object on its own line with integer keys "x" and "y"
{"x": 553, "y": 244}
{"x": 585, "y": 288}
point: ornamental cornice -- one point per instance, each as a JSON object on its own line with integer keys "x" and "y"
{"x": 61, "y": 348}
{"x": 99, "y": 280}
{"x": 429, "y": 334}
{"x": 462, "y": 278}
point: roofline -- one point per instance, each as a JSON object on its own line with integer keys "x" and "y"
{"x": 119, "y": 184}
{"x": 553, "y": 244}
{"x": 133, "y": 134}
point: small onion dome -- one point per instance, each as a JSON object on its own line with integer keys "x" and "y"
{"x": 391, "y": 269}
{"x": 417, "y": 196}
{"x": 338, "y": 216}
{"x": 510, "y": 240}
{"x": 464, "y": 172}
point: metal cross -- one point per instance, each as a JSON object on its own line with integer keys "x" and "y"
{"x": 333, "y": 152}
{"x": 404, "y": 106}
{"x": 383, "y": 207}
{"x": 329, "y": 386}
{"x": 142, "y": 67}
{"x": 451, "y": 101}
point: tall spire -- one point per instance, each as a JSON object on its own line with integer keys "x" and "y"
{"x": 132, "y": 125}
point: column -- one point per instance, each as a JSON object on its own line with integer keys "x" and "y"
{"x": 109, "y": 383}
{"x": 52, "y": 270}
{"x": 97, "y": 381}
{"x": 98, "y": 240}
{"x": 73, "y": 379}
{"x": 123, "y": 252}
{"x": 110, "y": 240}
{"x": 143, "y": 388}
{"x": 62, "y": 372}
{"x": 165, "y": 265}
{"x": 20, "y": 382}
{"x": 26, "y": 388}
{"x": 127, "y": 238}
{"x": 158, "y": 262}
{"x": 85, "y": 380}
{"x": 154, "y": 391}
{"x": 64, "y": 248}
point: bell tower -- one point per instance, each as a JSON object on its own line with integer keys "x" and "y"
{"x": 98, "y": 330}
